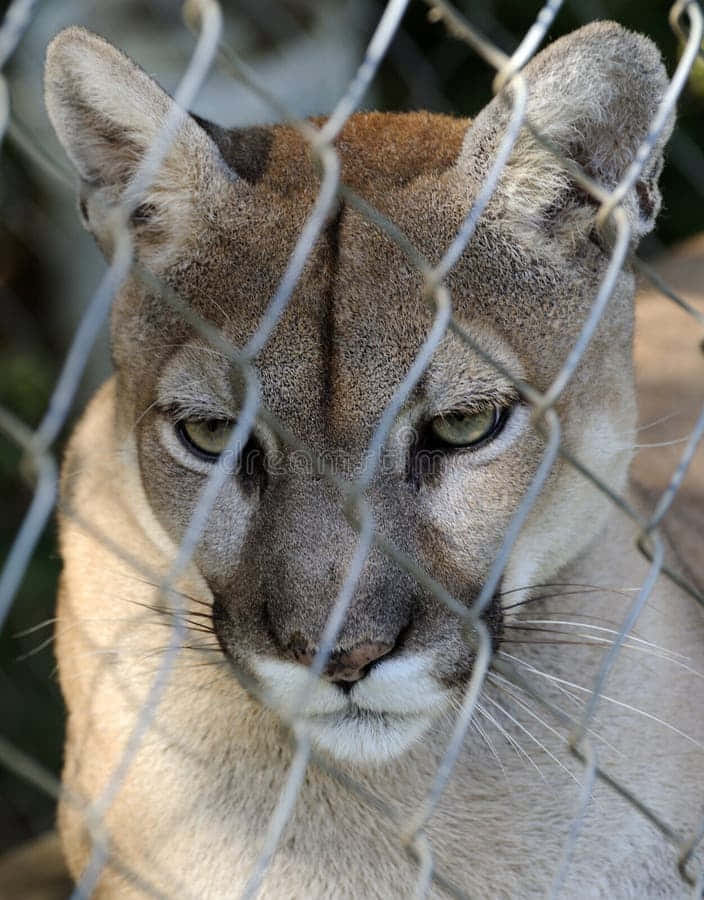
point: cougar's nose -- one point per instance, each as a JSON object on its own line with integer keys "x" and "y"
{"x": 347, "y": 666}
{"x": 354, "y": 664}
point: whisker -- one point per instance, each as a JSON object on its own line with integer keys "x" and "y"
{"x": 659, "y": 421}
{"x": 220, "y": 669}
{"x": 173, "y": 590}
{"x": 184, "y": 620}
{"x": 588, "y": 640}
{"x": 61, "y": 628}
{"x": 165, "y": 610}
{"x": 532, "y": 737}
{"x": 593, "y": 642}
{"x": 602, "y": 628}
{"x": 492, "y": 749}
{"x": 228, "y": 319}
{"x": 27, "y": 631}
{"x": 503, "y": 684}
{"x": 522, "y": 753}
{"x": 527, "y": 709}
{"x": 681, "y": 440}
{"x": 143, "y": 414}
{"x": 620, "y": 591}
{"x": 582, "y": 615}
{"x": 620, "y": 703}
{"x": 562, "y": 584}
{"x": 177, "y": 615}
{"x": 35, "y": 650}
{"x": 664, "y": 653}
{"x": 152, "y": 607}
{"x": 514, "y": 626}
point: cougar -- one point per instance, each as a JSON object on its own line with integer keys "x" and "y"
{"x": 189, "y": 815}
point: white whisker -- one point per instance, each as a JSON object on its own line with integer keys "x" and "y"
{"x": 532, "y": 737}
{"x": 522, "y": 753}
{"x": 621, "y": 703}
{"x": 681, "y": 440}
{"x": 35, "y": 650}
{"x": 512, "y": 688}
{"x": 492, "y": 749}
{"x": 660, "y": 421}
{"x": 559, "y": 595}
{"x": 648, "y": 647}
{"x": 27, "y": 631}
{"x": 142, "y": 415}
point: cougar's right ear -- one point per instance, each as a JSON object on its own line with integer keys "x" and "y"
{"x": 107, "y": 112}
{"x": 593, "y": 95}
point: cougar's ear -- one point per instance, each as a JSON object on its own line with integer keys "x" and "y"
{"x": 593, "y": 95}
{"x": 107, "y": 112}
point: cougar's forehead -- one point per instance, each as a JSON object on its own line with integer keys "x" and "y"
{"x": 352, "y": 329}
{"x": 357, "y": 318}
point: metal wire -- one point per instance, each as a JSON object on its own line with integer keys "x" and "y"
{"x": 205, "y": 17}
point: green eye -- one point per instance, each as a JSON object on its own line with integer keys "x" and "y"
{"x": 207, "y": 437}
{"x": 461, "y": 429}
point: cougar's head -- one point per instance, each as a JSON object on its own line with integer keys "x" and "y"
{"x": 218, "y": 223}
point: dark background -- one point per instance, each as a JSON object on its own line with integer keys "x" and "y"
{"x": 48, "y": 268}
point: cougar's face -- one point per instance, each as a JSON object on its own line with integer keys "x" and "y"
{"x": 219, "y": 222}
{"x": 282, "y": 547}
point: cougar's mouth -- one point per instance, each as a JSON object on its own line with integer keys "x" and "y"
{"x": 369, "y": 720}
{"x": 374, "y": 720}
{"x": 360, "y": 735}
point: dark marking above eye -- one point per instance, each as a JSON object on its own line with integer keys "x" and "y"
{"x": 245, "y": 150}
{"x": 143, "y": 214}
{"x": 645, "y": 199}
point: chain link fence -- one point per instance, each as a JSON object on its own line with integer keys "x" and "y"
{"x": 38, "y": 444}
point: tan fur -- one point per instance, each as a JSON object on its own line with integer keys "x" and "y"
{"x": 191, "y": 813}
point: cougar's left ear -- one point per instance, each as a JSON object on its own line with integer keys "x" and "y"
{"x": 593, "y": 95}
{"x": 107, "y": 112}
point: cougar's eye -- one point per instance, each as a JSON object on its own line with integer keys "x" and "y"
{"x": 205, "y": 437}
{"x": 464, "y": 429}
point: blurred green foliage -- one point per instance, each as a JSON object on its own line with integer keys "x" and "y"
{"x": 30, "y": 354}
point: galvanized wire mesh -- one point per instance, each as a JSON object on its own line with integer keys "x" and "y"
{"x": 205, "y": 17}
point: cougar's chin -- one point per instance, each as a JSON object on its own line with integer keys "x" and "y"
{"x": 378, "y": 719}
{"x": 360, "y": 736}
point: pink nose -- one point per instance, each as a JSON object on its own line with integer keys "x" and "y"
{"x": 348, "y": 665}
{"x": 353, "y": 664}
